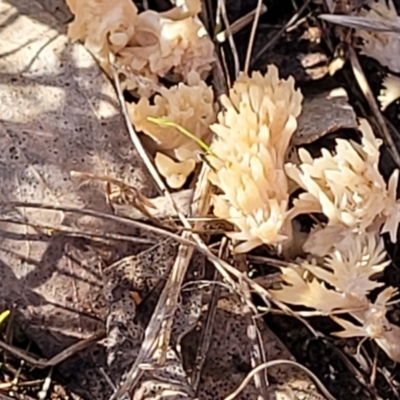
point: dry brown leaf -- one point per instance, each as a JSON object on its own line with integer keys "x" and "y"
{"x": 322, "y": 115}
{"x": 58, "y": 113}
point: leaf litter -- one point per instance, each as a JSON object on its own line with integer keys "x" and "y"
{"x": 133, "y": 292}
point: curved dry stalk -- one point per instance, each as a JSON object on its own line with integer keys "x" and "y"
{"x": 139, "y": 146}
{"x": 273, "y": 363}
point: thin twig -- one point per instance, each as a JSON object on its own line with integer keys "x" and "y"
{"x": 42, "y": 363}
{"x": 68, "y": 231}
{"x": 273, "y": 363}
{"x": 252, "y": 36}
{"x": 206, "y": 333}
{"x": 162, "y": 206}
{"x": 99, "y": 214}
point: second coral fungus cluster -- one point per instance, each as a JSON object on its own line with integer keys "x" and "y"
{"x": 342, "y": 256}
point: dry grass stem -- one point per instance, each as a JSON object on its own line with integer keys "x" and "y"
{"x": 101, "y": 215}
{"x": 252, "y": 36}
{"x": 221, "y": 12}
{"x": 68, "y": 231}
{"x": 158, "y": 331}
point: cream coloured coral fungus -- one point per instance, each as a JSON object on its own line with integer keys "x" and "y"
{"x": 144, "y": 46}
{"x": 103, "y": 25}
{"x": 161, "y": 44}
{"x": 340, "y": 284}
{"x": 382, "y": 46}
{"x": 347, "y": 186}
{"x": 174, "y": 172}
{"x": 390, "y": 91}
{"x": 350, "y": 270}
{"x": 251, "y": 140}
{"x": 188, "y": 105}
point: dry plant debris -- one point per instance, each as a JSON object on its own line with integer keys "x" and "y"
{"x": 164, "y": 59}
{"x": 383, "y": 47}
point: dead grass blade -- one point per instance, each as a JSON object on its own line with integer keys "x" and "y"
{"x": 362, "y": 23}
{"x": 273, "y": 363}
{"x": 369, "y": 96}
